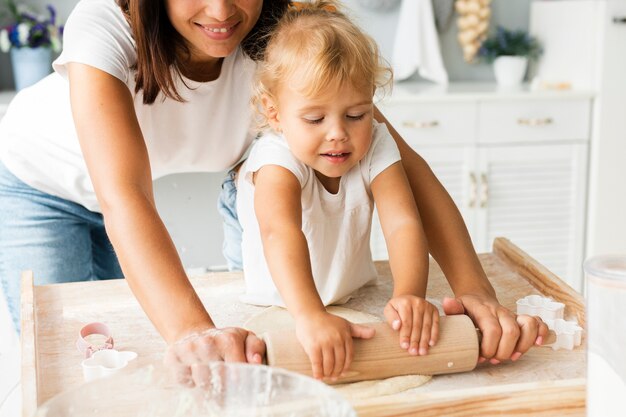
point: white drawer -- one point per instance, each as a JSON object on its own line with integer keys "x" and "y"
{"x": 533, "y": 120}
{"x": 432, "y": 123}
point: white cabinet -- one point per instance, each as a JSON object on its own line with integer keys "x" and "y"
{"x": 534, "y": 195}
{"x": 597, "y": 28}
{"x": 516, "y": 167}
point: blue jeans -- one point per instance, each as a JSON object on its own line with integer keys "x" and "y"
{"x": 227, "y": 207}
{"x": 60, "y": 241}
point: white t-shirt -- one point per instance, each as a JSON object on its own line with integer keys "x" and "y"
{"x": 208, "y": 132}
{"x": 336, "y": 226}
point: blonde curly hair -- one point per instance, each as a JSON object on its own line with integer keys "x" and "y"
{"x": 326, "y": 50}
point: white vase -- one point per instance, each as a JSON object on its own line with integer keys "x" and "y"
{"x": 510, "y": 70}
{"x": 30, "y": 65}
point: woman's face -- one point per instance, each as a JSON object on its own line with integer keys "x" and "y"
{"x": 213, "y": 28}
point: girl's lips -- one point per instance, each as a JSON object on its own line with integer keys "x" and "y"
{"x": 336, "y": 158}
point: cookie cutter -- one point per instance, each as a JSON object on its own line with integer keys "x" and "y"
{"x": 100, "y": 360}
{"x": 544, "y": 307}
{"x": 105, "y": 362}
{"x": 568, "y": 333}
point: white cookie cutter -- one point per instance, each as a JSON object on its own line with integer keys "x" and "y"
{"x": 105, "y": 362}
{"x": 568, "y": 334}
{"x": 544, "y": 307}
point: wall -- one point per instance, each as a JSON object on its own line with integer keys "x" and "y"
{"x": 187, "y": 202}
{"x": 512, "y": 14}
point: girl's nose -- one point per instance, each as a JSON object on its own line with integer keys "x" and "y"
{"x": 337, "y": 133}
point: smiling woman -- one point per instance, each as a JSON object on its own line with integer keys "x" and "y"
{"x": 145, "y": 89}
{"x": 141, "y": 90}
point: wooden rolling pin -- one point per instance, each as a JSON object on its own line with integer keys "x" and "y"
{"x": 382, "y": 357}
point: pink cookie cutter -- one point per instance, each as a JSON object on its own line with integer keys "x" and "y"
{"x": 87, "y": 348}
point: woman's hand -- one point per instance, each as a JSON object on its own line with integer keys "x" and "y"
{"x": 327, "y": 340}
{"x": 188, "y": 358}
{"x": 505, "y": 335}
{"x": 416, "y": 319}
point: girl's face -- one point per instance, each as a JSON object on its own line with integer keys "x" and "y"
{"x": 213, "y": 28}
{"x": 330, "y": 133}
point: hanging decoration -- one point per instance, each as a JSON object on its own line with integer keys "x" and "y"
{"x": 473, "y": 24}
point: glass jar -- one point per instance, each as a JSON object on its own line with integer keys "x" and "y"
{"x": 606, "y": 335}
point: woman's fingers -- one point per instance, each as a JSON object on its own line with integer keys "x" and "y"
{"x": 509, "y": 337}
{"x": 188, "y": 358}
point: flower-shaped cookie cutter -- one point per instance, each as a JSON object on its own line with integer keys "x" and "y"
{"x": 105, "y": 362}
{"x": 544, "y": 307}
{"x": 568, "y": 333}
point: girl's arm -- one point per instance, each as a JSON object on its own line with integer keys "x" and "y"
{"x": 407, "y": 311}
{"x": 450, "y": 244}
{"x": 402, "y": 228}
{"x": 326, "y": 339}
{"x": 277, "y": 205}
{"x": 117, "y": 160}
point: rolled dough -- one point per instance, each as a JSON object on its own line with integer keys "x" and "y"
{"x": 274, "y": 318}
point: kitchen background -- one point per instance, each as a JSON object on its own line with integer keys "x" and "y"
{"x": 187, "y": 201}
{"x": 192, "y": 196}
{"x": 558, "y": 192}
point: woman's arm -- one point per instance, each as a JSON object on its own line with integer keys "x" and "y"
{"x": 449, "y": 242}
{"x": 117, "y": 160}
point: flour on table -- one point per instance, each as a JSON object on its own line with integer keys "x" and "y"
{"x": 277, "y": 318}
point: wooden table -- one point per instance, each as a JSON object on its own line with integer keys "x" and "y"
{"x": 543, "y": 382}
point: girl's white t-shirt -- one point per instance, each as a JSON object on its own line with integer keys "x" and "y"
{"x": 208, "y": 132}
{"x": 336, "y": 226}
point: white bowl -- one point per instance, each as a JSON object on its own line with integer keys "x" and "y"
{"x": 234, "y": 389}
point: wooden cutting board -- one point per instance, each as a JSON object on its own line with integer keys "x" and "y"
{"x": 543, "y": 383}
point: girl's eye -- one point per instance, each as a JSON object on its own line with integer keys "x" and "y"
{"x": 355, "y": 117}
{"x": 314, "y": 121}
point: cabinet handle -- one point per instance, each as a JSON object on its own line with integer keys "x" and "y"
{"x": 619, "y": 20}
{"x": 535, "y": 122}
{"x": 473, "y": 190}
{"x": 420, "y": 125}
{"x": 484, "y": 195}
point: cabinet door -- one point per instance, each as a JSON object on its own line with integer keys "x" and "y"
{"x": 534, "y": 195}
{"x": 453, "y": 166}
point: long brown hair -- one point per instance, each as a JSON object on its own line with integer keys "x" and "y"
{"x": 160, "y": 46}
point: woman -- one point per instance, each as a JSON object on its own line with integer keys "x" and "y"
{"x": 144, "y": 89}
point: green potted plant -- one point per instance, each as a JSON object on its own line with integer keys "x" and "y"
{"x": 30, "y": 39}
{"x": 509, "y": 51}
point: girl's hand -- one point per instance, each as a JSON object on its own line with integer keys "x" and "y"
{"x": 327, "y": 340}
{"x": 416, "y": 319}
{"x": 188, "y": 358}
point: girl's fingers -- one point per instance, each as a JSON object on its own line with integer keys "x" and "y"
{"x": 392, "y": 316}
{"x": 317, "y": 364}
{"x": 340, "y": 359}
{"x": 361, "y": 332}
{"x": 406, "y": 317}
{"x": 434, "y": 330}
{"x": 416, "y": 331}
{"x": 349, "y": 355}
{"x": 425, "y": 334}
{"x": 328, "y": 361}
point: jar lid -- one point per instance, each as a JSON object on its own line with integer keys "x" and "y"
{"x": 607, "y": 266}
